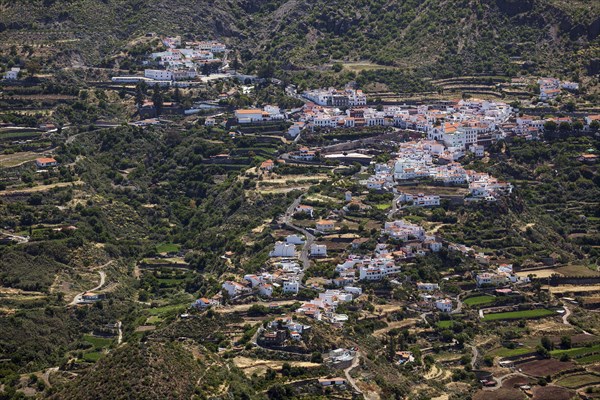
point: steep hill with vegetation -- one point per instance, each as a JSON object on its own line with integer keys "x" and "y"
{"x": 432, "y": 37}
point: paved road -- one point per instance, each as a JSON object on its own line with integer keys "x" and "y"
{"x": 368, "y": 395}
{"x": 349, "y": 378}
{"x": 459, "y": 305}
{"x": 79, "y": 298}
{"x": 394, "y": 208}
{"x": 310, "y": 238}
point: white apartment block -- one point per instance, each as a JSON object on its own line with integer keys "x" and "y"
{"x": 291, "y": 286}
{"x": 375, "y": 273}
{"x": 283, "y": 249}
{"x": 318, "y": 250}
{"x": 158, "y": 74}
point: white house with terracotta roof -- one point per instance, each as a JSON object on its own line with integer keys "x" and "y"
{"x": 265, "y": 289}
{"x": 248, "y": 116}
{"x": 234, "y": 288}
{"x": 304, "y": 209}
{"x": 45, "y": 162}
{"x": 325, "y": 225}
{"x": 254, "y": 280}
{"x": 267, "y": 165}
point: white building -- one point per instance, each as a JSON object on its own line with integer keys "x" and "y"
{"x": 265, "y": 289}
{"x": 283, "y": 249}
{"x": 375, "y": 273}
{"x": 404, "y": 230}
{"x": 254, "y": 280}
{"x": 249, "y": 116}
{"x": 291, "y": 286}
{"x": 296, "y": 128}
{"x": 159, "y": 74}
{"x": 318, "y": 250}
{"x": 234, "y": 288}
{"x": 45, "y": 162}
{"x": 304, "y": 209}
{"x": 353, "y": 290}
{"x": 489, "y": 278}
{"x": 477, "y": 150}
{"x": 444, "y": 305}
{"x": 426, "y": 286}
{"x": 294, "y": 239}
{"x": 325, "y": 225}
{"x": 13, "y": 74}
{"x": 421, "y": 200}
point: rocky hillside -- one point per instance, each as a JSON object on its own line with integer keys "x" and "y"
{"x": 435, "y": 37}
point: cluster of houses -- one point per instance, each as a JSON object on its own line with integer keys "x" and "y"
{"x": 336, "y": 98}
{"x": 323, "y": 307}
{"x": 459, "y": 123}
{"x": 384, "y": 261}
{"x": 503, "y": 275}
{"x": 530, "y": 126}
{"x": 550, "y": 88}
{"x": 427, "y": 159}
{"x": 177, "y": 63}
{"x": 431, "y": 297}
{"x": 281, "y": 329}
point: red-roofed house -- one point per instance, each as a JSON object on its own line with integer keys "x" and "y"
{"x": 45, "y": 162}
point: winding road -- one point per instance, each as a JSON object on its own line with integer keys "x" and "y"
{"x": 499, "y": 380}
{"x": 352, "y": 381}
{"x": 79, "y": 297}
{"x": 565, "y": 319}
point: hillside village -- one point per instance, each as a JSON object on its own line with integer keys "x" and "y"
{"x": 288, "y": 241}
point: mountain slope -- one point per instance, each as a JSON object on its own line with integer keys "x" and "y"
{"x": 436, "y": 37}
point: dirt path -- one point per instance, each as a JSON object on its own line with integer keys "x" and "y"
{"x": 565, "y": 319}
{"x": 120, "y": 337}
{"x": 20, "y": 239}
{"x": 499, "y": 380}
{"x": 40, "y": 188}
{"x": 46, "y": 376}
{"x": 246, "y": 307}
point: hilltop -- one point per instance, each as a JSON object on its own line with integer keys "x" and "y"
{"x": 432, "y": 38}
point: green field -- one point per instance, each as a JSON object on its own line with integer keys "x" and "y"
{"x": 383, "y": 206}
{"x": 93, "y": 356}
{"x": 525, "y": 314}
{"x": 167, "y": 309}
{"x": 167, "y": 248}
{"x": 445, "y": 324}
{"x": 577, "y": 352}
{"x": 594, "y": 358}
{"x": 479, "y": 300}
{"x": 97, "y": 342}
{"x": 576, "y": 381}
{"x": 505, "y": 352}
